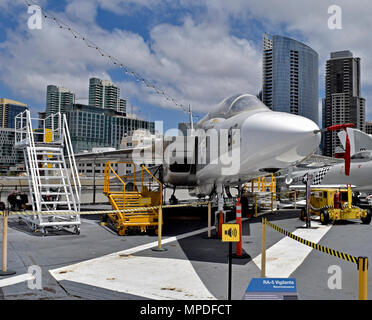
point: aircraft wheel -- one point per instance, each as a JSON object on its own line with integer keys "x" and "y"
{"x": 324, "y": 217}
{"x": 367, "y": 218}
{"x": 77, "y": 230}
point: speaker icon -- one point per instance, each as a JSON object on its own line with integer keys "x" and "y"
{"x": 231, "y": 232}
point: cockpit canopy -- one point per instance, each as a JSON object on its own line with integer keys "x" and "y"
{"x": 236, "y": 104}
{"x": 362, "y": 155}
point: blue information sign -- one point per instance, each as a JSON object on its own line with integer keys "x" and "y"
{"x": 271, "y": 289}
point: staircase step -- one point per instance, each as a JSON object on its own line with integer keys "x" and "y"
{"x": 53, "y": 177}
{"x": 52, "y": 185}
{"x": 50, "y": 161}
{"x": 56, "y": 202}
{"x": 46, "y": 193}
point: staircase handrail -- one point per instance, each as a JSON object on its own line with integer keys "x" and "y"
{"x": 72, "y": 162}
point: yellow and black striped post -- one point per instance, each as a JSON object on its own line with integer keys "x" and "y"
{"x": 362, "y": 277}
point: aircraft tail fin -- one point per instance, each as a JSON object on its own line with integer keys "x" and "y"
{"x": 359, "y": 140}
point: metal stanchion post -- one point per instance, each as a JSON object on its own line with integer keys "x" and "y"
{"x": 295, "y": 201}
{"x": 271, "y": 202}
{"x": 263, "y": 254}
{"x": 255, "y": 205}
{"x": 362, "y": 277}
{"x": 209, "y": 218}
{"x": 230, "y": 272}
{"x": 160, "y": 224}
{"x": 5, "y": 271}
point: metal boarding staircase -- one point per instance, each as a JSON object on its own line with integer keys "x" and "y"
{"x": 54, "y": 183}
{"x": 122, "y": 192}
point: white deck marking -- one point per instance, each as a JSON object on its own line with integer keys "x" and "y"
{"x": 284, "y": 257}
{"x": 16, "y": 279}
{"x": 154, "y": 278}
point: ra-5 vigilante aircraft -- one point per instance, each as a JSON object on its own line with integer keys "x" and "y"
{"x": 252, "y": 141}
{"x": 259, "y": 141}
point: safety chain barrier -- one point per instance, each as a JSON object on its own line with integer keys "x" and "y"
{"x": 313, "y": 245}
{"x": 361, "y": 262}
{"x": 193, "y": 204}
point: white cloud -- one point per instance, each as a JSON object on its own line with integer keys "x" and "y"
{"x": 198, "y": 61}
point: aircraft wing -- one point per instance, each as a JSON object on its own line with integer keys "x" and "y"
{"x": 321, "y": 186}
{"x": 106, "y": 155}
{"x": 317, "y": 161}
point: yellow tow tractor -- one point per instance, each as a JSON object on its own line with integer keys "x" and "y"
{"x": 332, "y": 204}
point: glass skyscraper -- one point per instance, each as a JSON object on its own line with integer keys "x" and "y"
{"x": 8, "y": 111}
{"x": 343, "y": 102}
{"x": 105, "y": 94}
{"x": 57, "y": 100}
{"x": 290, "y": 76}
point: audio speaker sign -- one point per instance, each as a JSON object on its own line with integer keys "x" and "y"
{"x": 230, "y": 232}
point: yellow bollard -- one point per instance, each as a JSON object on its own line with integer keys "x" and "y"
{"x": 5, "y": 240}
{"x": 5, "y": 271}
{"x": 362, "y": 277}
{"x": 295, "y": 202}
{"x": 255, "y": 205}
{"x": 263, "y": 254}
{"x": 160, "y": 225}
{"x": 271, "y": 203}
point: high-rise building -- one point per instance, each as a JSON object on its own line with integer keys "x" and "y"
{"x": 342, "y": 102}
{"x": 368, "y": 127}
{"x": 91, "y": 127}
{"x": 58, "y": 100}
{"x": 105, "y": 94}
{"x": 123, "y": 106}
{"x": 9, "y": 156}
{"x": 8, "y": 110}
{"x": 290, "y": 76}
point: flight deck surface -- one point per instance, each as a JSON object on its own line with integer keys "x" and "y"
{"x": 99, "y": 264}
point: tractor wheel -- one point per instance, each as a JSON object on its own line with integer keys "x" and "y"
{"x": 367, "y": 218}
{"x": 303, "y": 214}
{"x": 324, "y": 216}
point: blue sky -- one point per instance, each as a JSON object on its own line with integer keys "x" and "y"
{"x": 198, "y": 51}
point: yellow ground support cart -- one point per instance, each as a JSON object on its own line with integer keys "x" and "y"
{"x": 141, "y": 192}
{"x": 332, "y": 204}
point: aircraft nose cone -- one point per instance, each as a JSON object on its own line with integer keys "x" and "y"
{"x": 282, "y": 136}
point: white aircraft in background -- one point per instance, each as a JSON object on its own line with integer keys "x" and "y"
{"x": 331, "y": 171}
